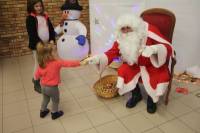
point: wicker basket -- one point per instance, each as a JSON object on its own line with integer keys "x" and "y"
{"x": 106, "y": 86}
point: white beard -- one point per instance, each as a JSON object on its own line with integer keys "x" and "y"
{"x": 129, "y": 46}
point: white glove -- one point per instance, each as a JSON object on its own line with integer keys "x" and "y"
{"x": 93, "y": 60}
{"x": 149, "y": 50}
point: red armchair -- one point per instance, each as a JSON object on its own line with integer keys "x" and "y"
{"x": 165, "y": 21}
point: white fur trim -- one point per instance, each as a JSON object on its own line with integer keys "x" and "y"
{"x": 160, "y": 58}
{"x": 155, "y": 94}
{"x": 157, "y": 38}
{"x": 161, "y": 88}
{"x": 169, "y": 65}
{"x": 129, "y": 86}
{"x": 120, "y": 83}
{"x": 129, "y": 20}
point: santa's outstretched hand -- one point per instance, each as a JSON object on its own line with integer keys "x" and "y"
{"x": 93, "y": 60}
{"x": 148, "y": 51}
{"x": 83, "y": 62}
{"x": 96, "y": 60}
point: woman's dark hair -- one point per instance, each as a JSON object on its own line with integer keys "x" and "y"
{"x": 31, "y": 3}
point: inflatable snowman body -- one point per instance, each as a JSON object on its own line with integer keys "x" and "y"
{"x": 73, "y": 43}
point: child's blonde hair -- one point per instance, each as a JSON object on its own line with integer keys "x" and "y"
{"x": 44, "y": 53}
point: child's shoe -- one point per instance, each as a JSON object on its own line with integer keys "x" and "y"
{"x": 56, "y": 115}
{"x": 44, "y": 113}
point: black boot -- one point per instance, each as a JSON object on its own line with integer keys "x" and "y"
{"x": 56, "y": 115}
{"x": 151, "y": 106}
{"x": 44, "y": 113}
{"x": 37, "y": 86}
{"x": 136, "y": 97}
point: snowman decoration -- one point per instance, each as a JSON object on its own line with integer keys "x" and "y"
{"x": 73, "y": 44}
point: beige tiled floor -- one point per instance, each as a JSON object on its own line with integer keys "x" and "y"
{"x": 84, "y": 112}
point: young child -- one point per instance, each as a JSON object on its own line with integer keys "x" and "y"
{"x": 39, "y": 28}
{"x": 49, "y": 73}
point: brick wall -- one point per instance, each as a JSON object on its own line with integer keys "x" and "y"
{"x": 13, "y": 35}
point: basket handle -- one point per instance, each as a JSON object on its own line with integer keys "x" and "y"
{"x": 100, "y": 75}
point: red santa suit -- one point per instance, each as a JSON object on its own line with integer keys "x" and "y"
{"x": 153, "y": 71}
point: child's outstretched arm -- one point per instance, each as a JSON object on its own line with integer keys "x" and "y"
{"x": 69, "y": 63}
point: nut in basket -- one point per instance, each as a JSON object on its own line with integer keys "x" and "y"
{"x": 106, "y": 86}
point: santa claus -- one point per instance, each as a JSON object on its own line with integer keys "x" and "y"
{"x": 145, "y": 53}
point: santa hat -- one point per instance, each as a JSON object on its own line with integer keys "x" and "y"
{"x": 129, "y": 20}
{"x": 71, "y": 5}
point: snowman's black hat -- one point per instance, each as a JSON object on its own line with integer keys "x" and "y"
{"x": 71, "y": 5}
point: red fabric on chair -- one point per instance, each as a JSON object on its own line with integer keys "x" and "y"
{"x": 162, "y": 22}
{"x": 163, "y": 19}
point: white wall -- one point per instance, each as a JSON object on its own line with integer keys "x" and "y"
{"x": 103, "y": 15}
{"x": 186, "y": 40}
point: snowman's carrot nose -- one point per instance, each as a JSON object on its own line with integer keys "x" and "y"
{"x": 65, "y": 16}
